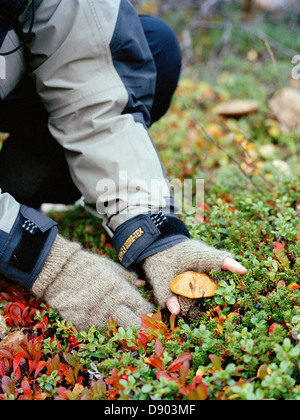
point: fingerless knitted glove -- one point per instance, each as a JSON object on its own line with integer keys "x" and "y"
{"x": 87, "y": 289}
{"x": 190, "y": 255}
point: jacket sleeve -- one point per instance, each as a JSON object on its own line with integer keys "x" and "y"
{"x": 26, "y": 238}
{"x": 12, "y": 67}
{"x": 96, "y": 76}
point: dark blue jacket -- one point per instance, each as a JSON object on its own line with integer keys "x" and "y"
{"x": 9, "y": 11}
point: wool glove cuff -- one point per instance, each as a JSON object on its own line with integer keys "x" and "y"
{"x": 147, "y": 234}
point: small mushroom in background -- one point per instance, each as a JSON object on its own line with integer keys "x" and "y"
{"x": 193, "y": 285}
{"x": 237, "y": 108}
{"x": 285, "y": 108}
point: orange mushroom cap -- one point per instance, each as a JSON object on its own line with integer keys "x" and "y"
{"x": 193, "y": 285}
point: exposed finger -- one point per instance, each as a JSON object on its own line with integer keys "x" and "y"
{"x": 235, "y": 267}
{"x": 173, "y": 305}
{"x": 139, "y": 283}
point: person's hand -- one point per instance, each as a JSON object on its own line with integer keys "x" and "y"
{"x": 190, "y": 255}
{"x": 233, "y": 266}
{"x": 87, "y": 289}
{"x": 229, "y": 264}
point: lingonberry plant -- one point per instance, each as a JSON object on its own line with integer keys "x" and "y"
{"x": 245, "y": 344}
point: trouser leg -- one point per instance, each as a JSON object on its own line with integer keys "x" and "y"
{"x": 167, "y": 56}
{"x": 33, "y": 167}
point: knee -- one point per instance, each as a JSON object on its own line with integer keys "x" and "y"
{"x": 163, "y": 42}
{"x": 170, "y": 49}
{"x": 166, "y": 52}
{"x": 168, "y": 43}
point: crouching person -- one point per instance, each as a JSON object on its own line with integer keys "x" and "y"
{"x": 100, "y": 76}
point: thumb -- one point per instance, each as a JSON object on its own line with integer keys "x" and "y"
{"x": 173, "y": 305}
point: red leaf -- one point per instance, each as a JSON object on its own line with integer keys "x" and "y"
{"x": 172, "y": 322}
{"x": 16, "y": 314}
{"x": 17, "y": 373}
{"x": 35, "y": 347}
{"x": 27, "y": 392}
{"x": 159, "y": 350}
{"x": 176, "y": 365}
{"x": 163, "y": 374}
{"x": 202, "y": 392}
{"x": 156, "y": 359}
{"x": 272, "y": 328}
{"x": 216, "y": 361}
{"x": 293, "y": 286}
{"x": 111, "y": 323}
{"x": 153, "y": 325}
{"x": 40, "y": 366}
{"x": 115, "y": 379}
{"x": 53, "y": 364}
{"x": 281, "y": 283}
{"x": 112, "y": 326}
{"x": 32, "y": 365}
{"x": 68, "y": 374}
{"x": 63, "y": 393}
{"x": 99, "y": 388}
{"x": 147, "y": 322}
{"x": 278, "y": 248}
{"x": 184, "y": 370}
{"x": 195, "y": 392}
{"x": 279, "y": 251}
{"x": 16, "y": 365}
{"x": 157, "y": 316}
{"x": 143, "y": 339}
{"x": 6, "y": 354}
{"x": 156, "y": 362}
{"x": 20, "y": 349}
{"x": 168, "y": 378}
{"x": 9, "y": 386}
{"x": 2, "y": 370}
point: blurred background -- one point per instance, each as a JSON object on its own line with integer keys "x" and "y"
{"x": 245, "y": 50}
{"x": 215, "y": 31}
